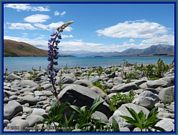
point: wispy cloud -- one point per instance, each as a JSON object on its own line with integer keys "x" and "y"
{"x": 36, "y": 26}
{"x": 51, "y": 26}
{"x": 36, "y": 18}
{"x": 21, "y": 26}
{"x": 67, "y": 36}
{"x": 27, "y": 7}
{"x": 57, "y": 13}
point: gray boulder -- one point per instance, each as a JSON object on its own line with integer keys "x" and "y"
{"x": 68, "y": 78}
{"x": 46, "y": 86}
{"x": 167, "y": 94}
{"x": 18, "y": 125}
{"x": 84, "y": 82}
{"x": 12, "y": 77}
{"x": 122, "y": 111}
{"x": 157, "y": 83}
{"x": 39, "y": 111}
{"x": 29, "y": 99}
{"x": 82, "y": 96}
{"x": 11, "y": 109}
{"x": 146, "y": 99}
{"x": 124, "y": 87}
{"x": 28, "y": 83}
{"x": 100, "y": 116}
{"x": 169, "y": 79}
{"x": 34, "y": 119}
{"x": 166, "y": 123}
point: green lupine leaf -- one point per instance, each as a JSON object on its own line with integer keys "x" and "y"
{"x": 115, "y": 125}
{"x": 75, "y": 108}
{"x": 96, "y": 104}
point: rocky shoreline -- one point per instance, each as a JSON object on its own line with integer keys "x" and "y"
{"x": 28, "y": 96}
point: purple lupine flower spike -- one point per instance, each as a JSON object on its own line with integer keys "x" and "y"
{"x": 53, "y": 55}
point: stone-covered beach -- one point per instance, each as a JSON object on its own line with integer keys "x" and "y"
{"x": 28, "y": 97}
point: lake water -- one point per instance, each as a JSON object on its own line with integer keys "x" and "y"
{"x": 27, "y": 63}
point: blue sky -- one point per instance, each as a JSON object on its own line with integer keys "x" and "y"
{"x": 96, "y": 27}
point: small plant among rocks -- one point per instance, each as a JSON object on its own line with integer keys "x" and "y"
{"x": 33, "y": 75}
{"x": 100, "y": 85}
{"x": 66, "y": 117}
{"x": 117, "y": 100}
{"x": 143, "y": 122}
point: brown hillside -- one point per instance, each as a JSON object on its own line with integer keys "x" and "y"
{"x": 14, "y": 48}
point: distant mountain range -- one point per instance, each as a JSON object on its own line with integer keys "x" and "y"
{"x": 14, "y": 48}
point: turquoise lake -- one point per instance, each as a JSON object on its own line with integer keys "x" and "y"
{"x": 27, "y": 63}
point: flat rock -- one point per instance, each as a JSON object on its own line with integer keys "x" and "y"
{"x": 38, "y": 111}
{"x": 157, "y": 83}
{"x": 26, "y": 89}
{"x": 82, "y": 96}
{"x": 169, "y": 79}
{"x": 28, "y": 83}
{"x": 34, "y": 119}
{"x": 11, "y": 109}
{"x": 27, "y": 109}
{"x": 18, "y": 125}
{"x": 166, "y": 124}
{"x": 12, "y": 77}
{"x": 29, "y": 99}
{"x": 84, "y": 82}
{"x": 167, "y": 94}
{"x": 100, "y": 116}
{"x": 46, "y": 86}
{"x": 124, "y": 87}
{"x": 146, "y": 99}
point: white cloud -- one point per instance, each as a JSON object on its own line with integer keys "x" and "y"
{"x": 28, "y": 26}
{"x": 26, "y": 7}
{"x": 36, "y": 18}
{"x": 163, "y": 39}
{"x": 52, "y": 26}
{"x": 63, "y": 13}
{"x": 133, "y": 29}
{"x": 131, "y": 40}
{"x": 21, "y": 26}
{"x": 67, "y": 36}
{"x": 57, "y": 13}
{"x": 41, "y": 26}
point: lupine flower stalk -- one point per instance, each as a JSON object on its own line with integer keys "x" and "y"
{"x": 53, "y": 55}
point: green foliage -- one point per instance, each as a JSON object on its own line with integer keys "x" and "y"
{"x": 33, "y": 75}
{"x": 66, "y": 117}
{"x": 57, "y": 114}
{"x": 40, "y": 88}
{"x": 161, "y": 68}
{"x": 89, "y": 72}
{"x": 100, "y": 85}
{"x": 99, "y": 71}
{"x": 142, "y": 121}
{"x": 150, "y": 71}
{"x": 117, "y": 100}
{"x": 65, "y": 67}
{"x": 83, "y": 117}
{"x": 131, "y": 75}
{"x": 154, "y": 71}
